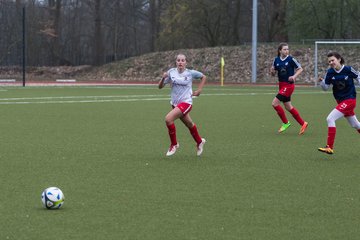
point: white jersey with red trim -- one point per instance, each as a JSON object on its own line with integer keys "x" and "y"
{"x": 181, "y": 85}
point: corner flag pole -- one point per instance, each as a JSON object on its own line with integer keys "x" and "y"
{"x": 222, "y": 64}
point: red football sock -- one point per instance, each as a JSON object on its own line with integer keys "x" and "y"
{"x": 358, "y": 130}
{"x": 195, "y": 134}
{"x": 280, "y": 111}
{"x": 331, "y": 136}
{"x": 294, "y": 112}
{"x": 172, "y": 134}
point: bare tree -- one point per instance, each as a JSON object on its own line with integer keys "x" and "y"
{"x": 155, "y": 13}
{"x": 98, "y": 58}
{"x": 273, "y": 26}
{"x": 95, "y": 31}
{"x": 236, "y": 7}
{"x": 52, "y": 32}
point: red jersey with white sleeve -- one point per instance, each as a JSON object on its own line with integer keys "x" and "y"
{"x": 181, "y": 85}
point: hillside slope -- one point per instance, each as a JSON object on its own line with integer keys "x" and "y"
{"x": 148, "y": 68}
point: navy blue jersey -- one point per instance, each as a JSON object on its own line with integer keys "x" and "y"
{"x": 343, "y": 82}
{"x": 285, "y": 67}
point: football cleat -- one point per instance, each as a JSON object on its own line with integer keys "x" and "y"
{"x": 172, "y": 149}
{"x": 326, "y": 149}
{"x": 284, "y": 126}
{"x": 303, "y": 128}
{"x": 200, "y": 147}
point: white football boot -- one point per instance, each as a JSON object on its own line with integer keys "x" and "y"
{"x": 172, "y": 149}
{"x": 200, "y": 147}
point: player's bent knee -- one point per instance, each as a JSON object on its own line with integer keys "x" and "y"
{"x": 330, "y": 122}
{"x": 169, "y": 121}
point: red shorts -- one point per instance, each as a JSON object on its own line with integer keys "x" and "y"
{"x": 185, "y": 108}
{"x": 347, "y": 107}
{"x": 286, "y": 89}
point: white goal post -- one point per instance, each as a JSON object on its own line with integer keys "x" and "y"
{"x": 316, "y": 53}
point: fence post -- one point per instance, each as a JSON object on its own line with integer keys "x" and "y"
{"x": 24, "y": 46}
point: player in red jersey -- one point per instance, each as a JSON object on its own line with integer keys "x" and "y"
{"x": 288, "y": 69}
{"x": 342, "y": 78}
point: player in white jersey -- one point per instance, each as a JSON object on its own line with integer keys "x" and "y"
{"x": 180, "y": 80}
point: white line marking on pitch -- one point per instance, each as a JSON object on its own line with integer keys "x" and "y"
{"x": 124, "y": 98}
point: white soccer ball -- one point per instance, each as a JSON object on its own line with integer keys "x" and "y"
{"x": 52, "y": 198}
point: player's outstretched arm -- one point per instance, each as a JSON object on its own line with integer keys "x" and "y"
{"x": 161, "y": 82}
{"x": 297, "y": 73}
{"x": 323, "y": 85}
{"x": 200, "y": 87}
{"x": 272, "y": 71}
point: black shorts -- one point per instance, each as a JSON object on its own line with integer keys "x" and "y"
{"x": 283, "y": 98}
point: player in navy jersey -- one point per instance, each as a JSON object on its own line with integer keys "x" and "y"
{"x": 342, "y": 78}
{"x": 180, "y": 80}
{"x": 288, "y": 69}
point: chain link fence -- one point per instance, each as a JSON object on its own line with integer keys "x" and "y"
{"x": 11, "y": 42}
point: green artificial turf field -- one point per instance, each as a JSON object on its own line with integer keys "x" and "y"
{"x": 105, "y": 148}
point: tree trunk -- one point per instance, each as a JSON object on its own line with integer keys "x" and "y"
{"x": 98, "y": 58}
